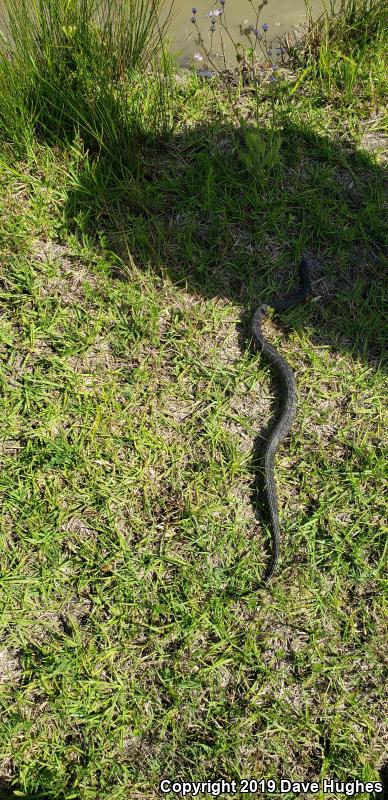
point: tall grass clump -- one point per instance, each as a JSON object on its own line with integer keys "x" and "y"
{"x": 79, "y": 66}
{"x": 344, "y": 50}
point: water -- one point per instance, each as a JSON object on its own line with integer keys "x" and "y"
{"x": 280, "y": 15}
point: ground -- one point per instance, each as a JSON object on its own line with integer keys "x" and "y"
{"x": 138, "y": 642}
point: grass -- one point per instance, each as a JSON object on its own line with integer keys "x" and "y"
{"x": 343, "y": 55}
{"x": 136, "y": 640}
{"x": 76, "y": 67}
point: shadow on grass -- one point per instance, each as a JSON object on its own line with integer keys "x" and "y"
{"x": 231, "y": 221}
{"x": 228, "y": 215}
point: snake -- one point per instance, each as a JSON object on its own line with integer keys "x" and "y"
{"x": 288, "y": 403}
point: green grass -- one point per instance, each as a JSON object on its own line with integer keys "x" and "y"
{"x": 342, "y": 56}
{"x": 97, "y": 69}
{"x": 136, "y": 640}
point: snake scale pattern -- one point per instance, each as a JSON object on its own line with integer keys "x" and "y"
{"x": 288, "y": 402}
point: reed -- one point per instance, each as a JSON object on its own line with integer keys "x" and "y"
{"x": 342, "y": 54}
{"x": 83, "y": 66}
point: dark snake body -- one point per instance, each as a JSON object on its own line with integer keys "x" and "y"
{"x": 288, "y": 403}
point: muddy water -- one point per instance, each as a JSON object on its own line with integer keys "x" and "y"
{"x": 279, "y": 15}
